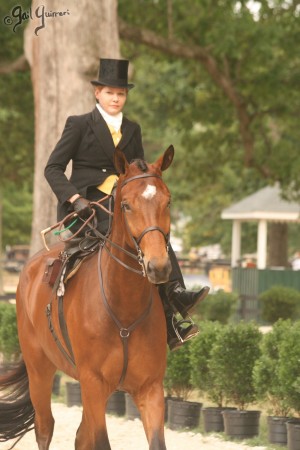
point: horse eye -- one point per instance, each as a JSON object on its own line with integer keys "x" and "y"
{"x": 125, "y": 206}
{"x": 169, "y": 204}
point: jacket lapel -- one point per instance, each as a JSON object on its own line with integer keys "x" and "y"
{"x": 127, "y": 129}
{"x": 102, "y": 133}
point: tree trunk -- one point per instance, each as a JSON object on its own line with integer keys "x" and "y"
{"x": 278, "y": 245}
{"x": 64, "y": 57}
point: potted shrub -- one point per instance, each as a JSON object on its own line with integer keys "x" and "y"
{"x": 268, "y": 384}
{"x": 289, "y": 377}
{"x": 218, "y": 307}
{"x": 279, "y": 302}
{"x": 182, "y": 413}
{"x": 233, "y": 356}
{"x": 9, "y": 341}
{"x": 202, "y": 378}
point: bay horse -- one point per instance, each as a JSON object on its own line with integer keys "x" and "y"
{"x": 107, "y": 304}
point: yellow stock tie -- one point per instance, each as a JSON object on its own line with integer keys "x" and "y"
{"x": 109, "y": 182}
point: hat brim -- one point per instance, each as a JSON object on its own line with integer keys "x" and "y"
{"x": 112, "y": 84}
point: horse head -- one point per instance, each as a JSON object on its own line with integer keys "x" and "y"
{"x": 142, "y": 204}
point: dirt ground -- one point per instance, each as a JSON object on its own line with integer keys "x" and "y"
{"x": 123, "y": 434}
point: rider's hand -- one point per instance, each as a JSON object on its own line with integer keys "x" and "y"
{"x": 82, "y": 207}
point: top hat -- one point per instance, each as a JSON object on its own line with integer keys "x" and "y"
{"x": 113, "y": 72}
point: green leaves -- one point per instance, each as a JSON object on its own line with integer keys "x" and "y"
{"x": 181, "y": 100}
{"x": 9, "y": 342}
{"x": 232, "y": 360}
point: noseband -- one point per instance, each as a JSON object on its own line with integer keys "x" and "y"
{"x": 136, "y": 241}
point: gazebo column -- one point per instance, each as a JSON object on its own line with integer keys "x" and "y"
{"x": 236, "y": 243}
{"x": 262, "y": 233}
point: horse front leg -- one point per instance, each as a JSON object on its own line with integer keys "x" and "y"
{"x": 92, "y": 432}
{"x": 151, "y": 404}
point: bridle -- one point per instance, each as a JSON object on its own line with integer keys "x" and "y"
{"x": 126, "y": 331}
{"x": 139, "y": 257}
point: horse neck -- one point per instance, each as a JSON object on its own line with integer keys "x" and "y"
{"x": 124, "y": 289}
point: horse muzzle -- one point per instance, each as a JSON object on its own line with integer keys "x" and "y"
{"x": 158, "y": 270}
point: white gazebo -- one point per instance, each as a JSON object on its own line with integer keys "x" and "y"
{"x": 265, "y": 205}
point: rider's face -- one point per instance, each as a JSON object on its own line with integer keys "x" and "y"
{"x": 111, "y": 99}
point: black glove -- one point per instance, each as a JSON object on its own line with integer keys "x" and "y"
{"x": 82, "y": 207}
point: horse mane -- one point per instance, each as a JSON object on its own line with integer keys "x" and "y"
{"x": 141, "y": 164}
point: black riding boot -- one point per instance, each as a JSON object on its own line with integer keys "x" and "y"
{"x": 179, "y": 298}
{"x": 178, "y": 331}
{"x": 182, "y": 300}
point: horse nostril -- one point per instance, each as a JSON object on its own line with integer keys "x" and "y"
{"x": 159, "y": 270}
{"x": 150, "y": 267}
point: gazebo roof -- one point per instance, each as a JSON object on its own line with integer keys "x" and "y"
{"x": 265, "y": 204}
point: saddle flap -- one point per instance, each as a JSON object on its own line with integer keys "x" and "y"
{"x": 52, "y": 270}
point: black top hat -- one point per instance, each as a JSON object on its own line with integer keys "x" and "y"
{"x": 113, "y": 72}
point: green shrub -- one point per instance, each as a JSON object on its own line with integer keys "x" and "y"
{"x": 289, "y": 368}
{"x": 233, "y": 356}
{"x": 202, "y": 378}
{"x": 218, "y": 307}
{"x": 178, "y": 374}
{"x": 266, "y": 370}
{"x": 279, "y": 302}
{"x": 9, "y": 342}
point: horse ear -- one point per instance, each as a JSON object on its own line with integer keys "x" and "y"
{"x": 120, "y": 161}
{"x": 167, "y": 158}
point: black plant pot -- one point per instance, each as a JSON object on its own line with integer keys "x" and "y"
{"x": 277, "y": 430}
{"x": 293, "y": 434}
{"x": 213, "y": 418}
{"x": 7, "y": 367}
{"x": 56, "y": 384}
{"x": 169, "y": 397}
{"x": 73, "y": 393}
{"x": 241, "y": 424}
{"x": 116, "y": 404}
{"x": 183, "y": 414}
{"x": 130, "y": 407}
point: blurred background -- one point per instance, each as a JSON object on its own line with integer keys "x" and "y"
{"x": 218, "y": 80}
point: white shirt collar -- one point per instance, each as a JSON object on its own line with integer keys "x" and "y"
{"x": 114, "y": 121}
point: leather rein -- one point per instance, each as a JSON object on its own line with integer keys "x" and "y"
{"x": 139, "y": 257}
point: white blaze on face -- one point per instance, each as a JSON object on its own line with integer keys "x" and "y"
{"x": 149, "y": 192}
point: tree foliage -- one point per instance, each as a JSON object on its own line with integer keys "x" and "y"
{"x": 216, "y": 79}
{"x": 224, "y": 86}
{"x": 16, "y": 107}
{"x": 16, "y": 133}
